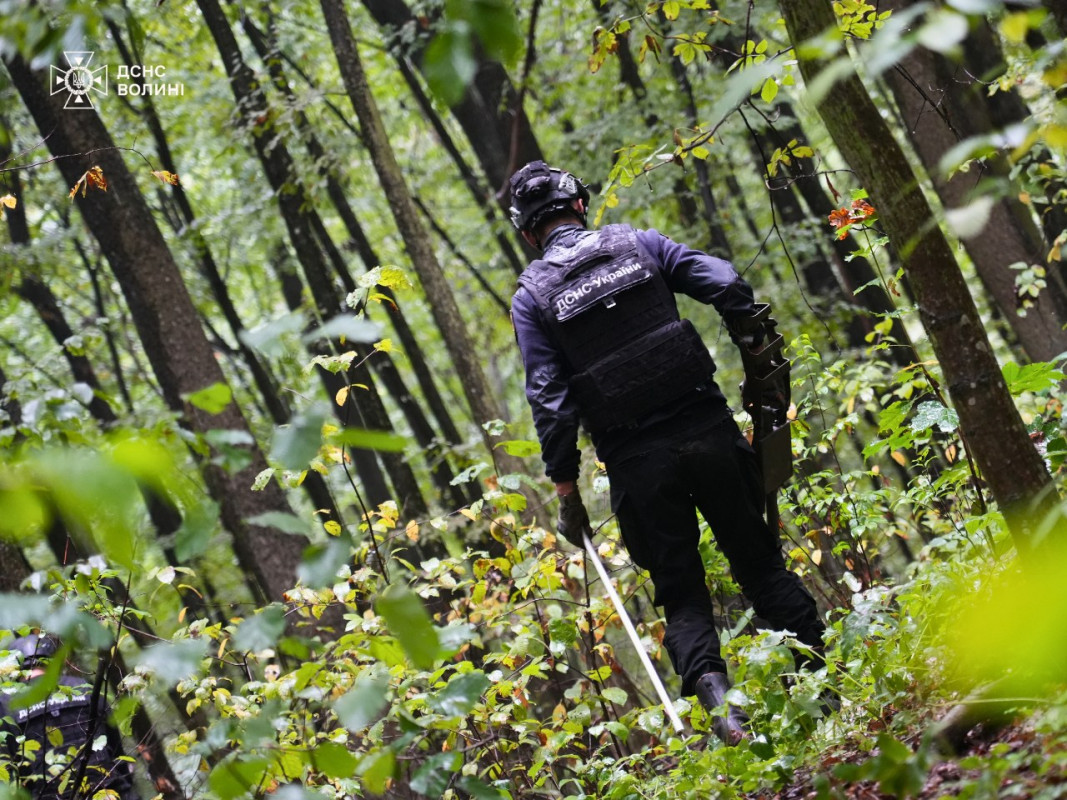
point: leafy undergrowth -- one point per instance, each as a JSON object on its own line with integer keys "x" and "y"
{"x": 505, "y": 674}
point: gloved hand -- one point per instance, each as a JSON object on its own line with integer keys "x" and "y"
{"x": 773, "y": 397}
{"x": 747, "y": 334}
{"x": 573, "y": 522}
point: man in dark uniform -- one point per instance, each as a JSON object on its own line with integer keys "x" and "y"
{"x": 61, "y": 747}
{"x": 604, "y": 347}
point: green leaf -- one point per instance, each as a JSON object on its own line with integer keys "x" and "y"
{"x": 449, "y": 63}
{"x": 293, "y": 791}
{"x": 971, "y": 219}
{"x": 613, "y": 694}
{"x": 494, "y": 23}
{"x": 174, "y": 661}
{"x": 279, "y": 520}
{"x": 269, "y": 339}
{"x": 1036, "y": 377}
{"x": 769, "y": 90}
{"x": 932, "y": 413}
{"x": 461, "y": 694}
{"x": 433, "y": 777}
{"x": 212, "y": 399}
{"x": 261, "y": 631}
{"x": 520, "y": 448}
{"x": 348, "y": 327}
{"x": 943, "y": 30}
{"x": 376, "y": 769}
{"x": 198, "y": 527}
{"x": 320, "y": 562}
{"x": 298, "y": 442}
{"x": 22, "y": 514}
{"x": 333, "y": 760}
{"x": 562, "y": 634}
{"x": 409, "y": 622}
{"x": 234, "y": 777}
{"x": 454, "y": 636}
{"x": 383, "y": 441}
{"x": 478, "y": 790}
{"x": 361, "y": 705}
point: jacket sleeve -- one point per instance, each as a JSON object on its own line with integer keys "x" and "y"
{"x": 706, "y": 278}
{"x": 555, "y": 414}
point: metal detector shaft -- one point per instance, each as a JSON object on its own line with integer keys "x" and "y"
{"x": 668, "y": 705}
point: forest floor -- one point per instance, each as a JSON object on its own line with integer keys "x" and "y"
{"x": 1009, "y": 761}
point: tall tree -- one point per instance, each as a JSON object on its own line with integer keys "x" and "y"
{"x": 305, "y": 229}
{"x": 942, "y": 103}
{"x": 438, "y": 290}
{"x": 490, "y": 112}
{"x": 166, "y": 321}
{"x": 993, "y": 430}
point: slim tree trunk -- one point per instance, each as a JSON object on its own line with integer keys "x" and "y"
{"x": 942, "y": 105}
{"x": 302, "y": 222}
{"x": 489, "y": 113}
{"x": 166, "y": 321}
{"x": 994, "y": 431}
{"x": 14, "y": 568}
{"x": 438, "y": 291}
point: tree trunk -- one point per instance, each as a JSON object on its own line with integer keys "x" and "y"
{"x": 302, "y": 224}
{"x": 942, "y": 104}
{"x": 489, "y": 113}
{"x": 14, "y": 568}
{"x": 166, "y": 321}
{"x": 994, "y": 431}
{"x": 442, "y": 302}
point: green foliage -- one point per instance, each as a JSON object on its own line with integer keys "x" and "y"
{"x": 450, "y": 62}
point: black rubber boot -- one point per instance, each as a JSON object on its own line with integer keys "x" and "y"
{"x": 711, "y": 691}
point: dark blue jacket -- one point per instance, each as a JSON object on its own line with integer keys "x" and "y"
{"x": 687, "y": 271}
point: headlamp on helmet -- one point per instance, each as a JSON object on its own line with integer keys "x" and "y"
{"x": 538, "y": 190}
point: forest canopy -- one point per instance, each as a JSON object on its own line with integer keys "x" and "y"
{"x": 268, "y": 468}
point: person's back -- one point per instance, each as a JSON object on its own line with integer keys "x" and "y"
{"x": 604, "y": 348}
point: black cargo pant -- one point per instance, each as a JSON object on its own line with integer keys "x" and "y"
{"x": 656, "y": 490}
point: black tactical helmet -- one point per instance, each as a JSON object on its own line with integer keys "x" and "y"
{"x": 34, "y": 648}
{"x": 538, "y": 189}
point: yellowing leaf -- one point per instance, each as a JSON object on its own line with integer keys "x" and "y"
{"x": 1014, "y": 26}
{"x": 166, "y": 177}
{"x": 333, "y": 527}
{"x": 816, "y": 557}
{"x": 469, "y": 514}
{"x": 9, "y": 201}
{"x": 384, "y": 346}
{"x": 412, "y": 531}
{"x": 1055, "y": 135}
{"x": 342, "y": 395}
{"x": 899, "y": 457}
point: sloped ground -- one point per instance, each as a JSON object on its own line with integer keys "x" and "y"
{"x": 1015, "y": 761}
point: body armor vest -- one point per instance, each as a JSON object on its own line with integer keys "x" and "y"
{"x": 612, "y": 314}
{"x": 60, "y": 725}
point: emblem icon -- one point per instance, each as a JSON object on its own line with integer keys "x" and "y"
{"x": 79, "y": 81}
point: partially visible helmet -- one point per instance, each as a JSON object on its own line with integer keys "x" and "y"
{"x": 34, "y": 648}
{"x": 538, "y": 190}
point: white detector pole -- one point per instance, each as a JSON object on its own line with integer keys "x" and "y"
{"x": 616, "y": 601}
